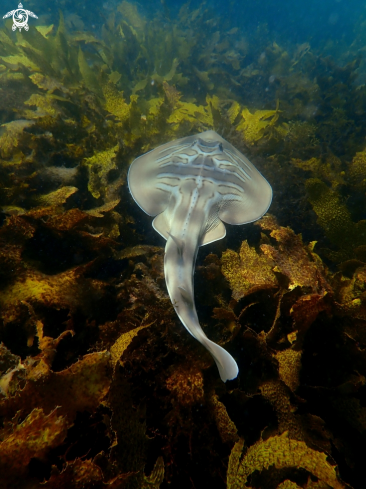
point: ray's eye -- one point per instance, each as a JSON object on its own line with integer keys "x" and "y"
{"x": 206, "y": 144}
{"x": 221, "y": 148}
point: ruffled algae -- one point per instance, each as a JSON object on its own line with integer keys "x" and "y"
{"x": 99, "y": 386}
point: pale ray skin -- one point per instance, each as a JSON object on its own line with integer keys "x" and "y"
{"x": 193, "y": 185}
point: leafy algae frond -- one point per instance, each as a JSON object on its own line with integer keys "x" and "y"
{"x": 357, "y": 170}
{"x": 115, "y": 102}
{"x": 186, "y": 111}
{"x": 246, "y": 271}
{"x": 289, "y": 362}
{"x": 156, "y": 477}
{"x": 280, "y": 452}
{"x": 33, "y": 437}
{"x": 99, "y": 166}
{"x": 335, "y": 219}
{"x": 253, "y": 126}
{"x": 85, "y": 320}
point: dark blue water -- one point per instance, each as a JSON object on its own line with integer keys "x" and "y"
{"x": 317, "y": 22}
{"x": 86, "y": 90}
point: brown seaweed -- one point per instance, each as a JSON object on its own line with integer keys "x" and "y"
{"x": 99, "y": 387}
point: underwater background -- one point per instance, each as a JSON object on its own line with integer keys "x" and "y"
{"x": 100, "y": 384}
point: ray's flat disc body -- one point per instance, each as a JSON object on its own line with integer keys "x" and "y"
{"x": 193, "y": 185}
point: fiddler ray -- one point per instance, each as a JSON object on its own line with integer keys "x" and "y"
{"x": 193, "y": 185}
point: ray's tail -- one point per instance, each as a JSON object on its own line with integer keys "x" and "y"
{"x": 228, "y": 368}
{"x": 179, "y": 261}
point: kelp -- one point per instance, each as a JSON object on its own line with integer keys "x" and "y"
{"x": 250, "y": 271}
{"x": 227, "y": 429}
{"x": 100, "y": 386}
{"x": 302, "y": 307}
{"x": 22, "y": 441}
{"x": 335, "y": 219}
{"x": 253, "y": 126}
{"x": 280, "y": 452}
{"x": 99, "y": 166}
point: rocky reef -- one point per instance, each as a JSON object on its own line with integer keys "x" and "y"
{"x": 99, "y": 384}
